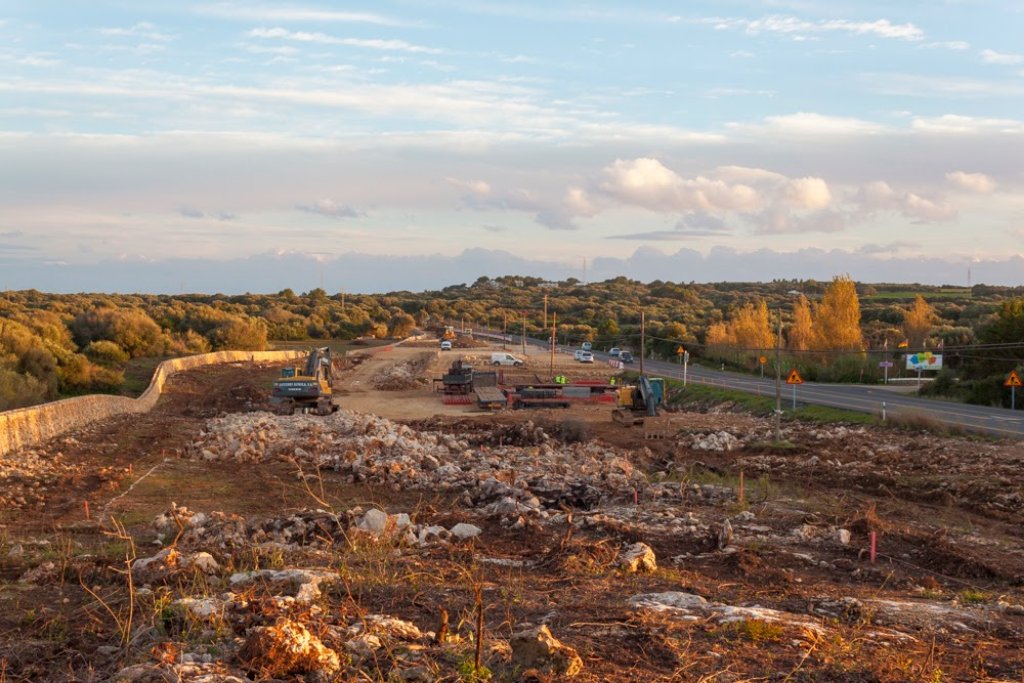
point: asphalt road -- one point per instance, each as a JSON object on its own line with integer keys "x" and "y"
{"x": 894, "y": 401}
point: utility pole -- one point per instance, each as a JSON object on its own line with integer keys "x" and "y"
{"x": 545, "y": 325}
{"x": 504, "y": 328}
{"x": 643, "y": 336}
{"x": 523, "y": 313}
{"x": 554, "y": 325}
{"x": 778, "y": 377}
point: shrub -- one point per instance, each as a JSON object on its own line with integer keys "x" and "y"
{"x": 107, "y": 352}
{"x": 18, "y": 391}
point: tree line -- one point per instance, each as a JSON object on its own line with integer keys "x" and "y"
{"x": 60, "y": 345}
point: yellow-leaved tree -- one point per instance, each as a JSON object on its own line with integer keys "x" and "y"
{"x": 917, "y": 322}
{"x": 751, "y": 327}
{"x": 837, "y": 317}
{"x": 801, "y": 331}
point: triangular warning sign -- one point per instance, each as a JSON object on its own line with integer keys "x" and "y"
{"x": 794, "y": 377}
{"x": 1013, "y": 380}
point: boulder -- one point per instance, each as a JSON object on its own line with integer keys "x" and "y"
{"x": 463, "y": 531}
{"x": 537, "y": 648}
{"x": 287, "y": 648}
{"x": 637, "y": 558}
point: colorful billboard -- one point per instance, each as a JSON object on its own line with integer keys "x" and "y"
{"x": 925, "y": 360}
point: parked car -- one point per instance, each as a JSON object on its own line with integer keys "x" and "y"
{"x": 587, "y": 346}
{"x": 505, "y": 359}
{"x": 626, "y": 357}
{"x": 614, "y": 351}
{"x": 586, "y": 357}
{"x": 446, "y": 345}
{"x": 577, "y": 354}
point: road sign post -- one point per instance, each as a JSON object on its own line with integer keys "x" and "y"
{"x": 762, "y": 360}
{"x": 794, "y": 379}
{"x": 885, "y": 365}
{"x": 1013, "y": 381}
{"x": 686, "y": 364}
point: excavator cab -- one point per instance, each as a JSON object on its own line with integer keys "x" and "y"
{"x": 308, "y": 390}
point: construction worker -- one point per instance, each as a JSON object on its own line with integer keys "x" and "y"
{"x": 612, "y": 381}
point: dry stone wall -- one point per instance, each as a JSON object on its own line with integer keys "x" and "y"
{"x": 35, "y": 424}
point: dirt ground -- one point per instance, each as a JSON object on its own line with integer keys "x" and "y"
{"x": 267, "y": 527}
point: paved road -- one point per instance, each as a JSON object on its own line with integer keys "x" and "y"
{"x": 860, "y": 398}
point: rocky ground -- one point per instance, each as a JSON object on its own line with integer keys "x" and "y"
{"x": 225, "y": 543}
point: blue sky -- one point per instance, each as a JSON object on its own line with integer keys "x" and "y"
{"x": 206, "y": 133}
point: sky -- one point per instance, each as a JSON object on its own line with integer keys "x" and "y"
{"x": 208, "y": 145}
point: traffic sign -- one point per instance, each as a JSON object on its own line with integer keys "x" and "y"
{"x": 1013, "y": 380}
{"x": 680, "y": 350}
{"x": 762, "y": 360}
{"x": 885, "y": 364}
{"x": 794, "y": 377}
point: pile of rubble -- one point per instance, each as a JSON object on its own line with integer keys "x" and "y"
{"x": 223, "y": 532}
{"x": 513, "y": 480}
{"x": 402, "y": 376}
{"x": 29, "y": 476}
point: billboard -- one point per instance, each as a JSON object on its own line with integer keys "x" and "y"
{"x": 924, "y": 360}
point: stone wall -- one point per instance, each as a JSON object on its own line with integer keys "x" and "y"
{"x": 35, "y": 424}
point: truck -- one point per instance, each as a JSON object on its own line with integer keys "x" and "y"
{"x": 306, "y": 389}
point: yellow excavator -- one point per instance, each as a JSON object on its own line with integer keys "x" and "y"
{"x": 637, "y": 403}
{"x": 306, "y": 389}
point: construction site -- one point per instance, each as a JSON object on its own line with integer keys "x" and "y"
{"x": 474, "y": 513}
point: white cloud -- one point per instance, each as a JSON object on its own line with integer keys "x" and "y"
{"x": 801, "y": 29}
{"x": 256, "y": 12}
{"x": 958, "y": 45}
{"x": 967, "y": 125}
{"x": 769, "y": 200}
{"x": 916, "y": 85}
{"x": 329, "y": 207}
{"x": 973, "y": 182}
{"x": 325, "y": 39}
{"x": 993, "y": 57}
{"x": 879, "y": 196}
{"x": 808, "y": 193}
{"x": 140, "y": 30}
{"x": 803, "y": 124}
{"x": 477, "y": 187}
{"x": 578, "y": 203}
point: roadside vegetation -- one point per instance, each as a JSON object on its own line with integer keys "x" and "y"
{"x": 52, "y": 346}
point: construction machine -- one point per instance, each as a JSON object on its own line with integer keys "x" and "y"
{"x": 636, "y": 403}
{"x": 306, "y": 389}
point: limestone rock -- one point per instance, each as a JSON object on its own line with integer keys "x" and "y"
{"x": 637, "y": 558}
{"x": 287, "y": 648}
{"x": 464, "y": 531}
{"x": 537, "y": 648}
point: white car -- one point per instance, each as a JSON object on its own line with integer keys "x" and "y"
{"x": 614, "y": 351}
{"x": 578, "y": 353}
{"x": 586, "y": 357}
{"x": 446, "y": 345}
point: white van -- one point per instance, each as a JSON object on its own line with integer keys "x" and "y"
{"x": 505, "y": 359}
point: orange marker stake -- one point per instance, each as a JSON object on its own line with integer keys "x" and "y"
{"x": 743, "y": 495}
{"x": 86, "y": 503}
{"x": 874, "y": 546}
{"x": 636, "y": 497}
